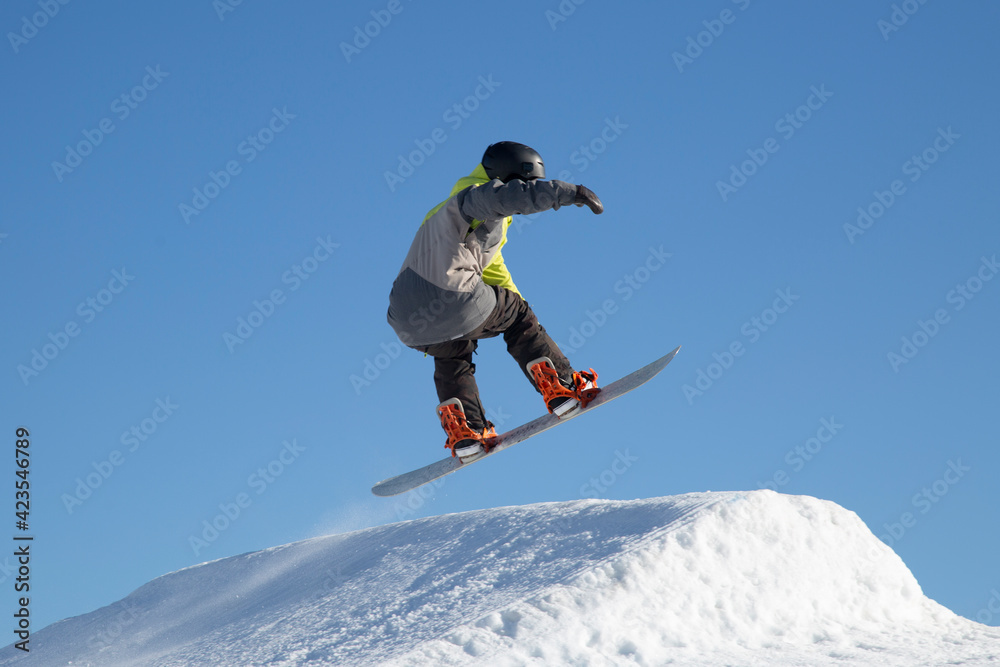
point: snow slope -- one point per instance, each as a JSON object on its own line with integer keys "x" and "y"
{"x": 752, "y": 578}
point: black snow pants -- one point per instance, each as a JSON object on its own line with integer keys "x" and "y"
{"x": 454, "y": 371}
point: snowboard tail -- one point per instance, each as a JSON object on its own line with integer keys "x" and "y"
{"x": 411, "y": 480}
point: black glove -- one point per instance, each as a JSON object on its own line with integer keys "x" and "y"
{"x": 585, "y": 197}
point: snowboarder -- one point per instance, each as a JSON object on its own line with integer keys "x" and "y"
{"x": 454, "y": 290}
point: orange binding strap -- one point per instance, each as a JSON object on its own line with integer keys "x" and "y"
{"x": 547, "y": 381}
{"x": 457, "y": 428}
{"x": 585, "y": 396}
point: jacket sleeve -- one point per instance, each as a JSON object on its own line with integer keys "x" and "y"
{"x": 497, "y": 200}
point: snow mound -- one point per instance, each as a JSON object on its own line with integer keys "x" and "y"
{"x": 752, "y": 578}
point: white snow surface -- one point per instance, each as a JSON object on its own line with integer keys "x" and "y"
{"x": 747, "y": 579}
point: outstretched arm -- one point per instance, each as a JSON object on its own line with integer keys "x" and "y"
{"x": 497, "y": 200}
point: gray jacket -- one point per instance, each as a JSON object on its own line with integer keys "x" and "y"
{"x": 439, "y": 293}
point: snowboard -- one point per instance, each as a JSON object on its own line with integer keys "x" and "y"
{"x": 413, "y": 479}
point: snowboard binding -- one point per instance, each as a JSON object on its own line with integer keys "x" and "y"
{"x": 562, "y": 401}
{"x": 464, "y": 442}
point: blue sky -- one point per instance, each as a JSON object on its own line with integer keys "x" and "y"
{"x": 205, "y": 206}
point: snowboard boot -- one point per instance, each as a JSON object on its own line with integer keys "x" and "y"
{"x": 563, "y": 398}
{"x": 467, "y": 443}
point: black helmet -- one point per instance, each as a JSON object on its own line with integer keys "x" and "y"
{"x": 508, "y": 160}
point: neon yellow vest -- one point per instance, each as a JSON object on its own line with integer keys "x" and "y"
{"x": 496, "y": 272}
